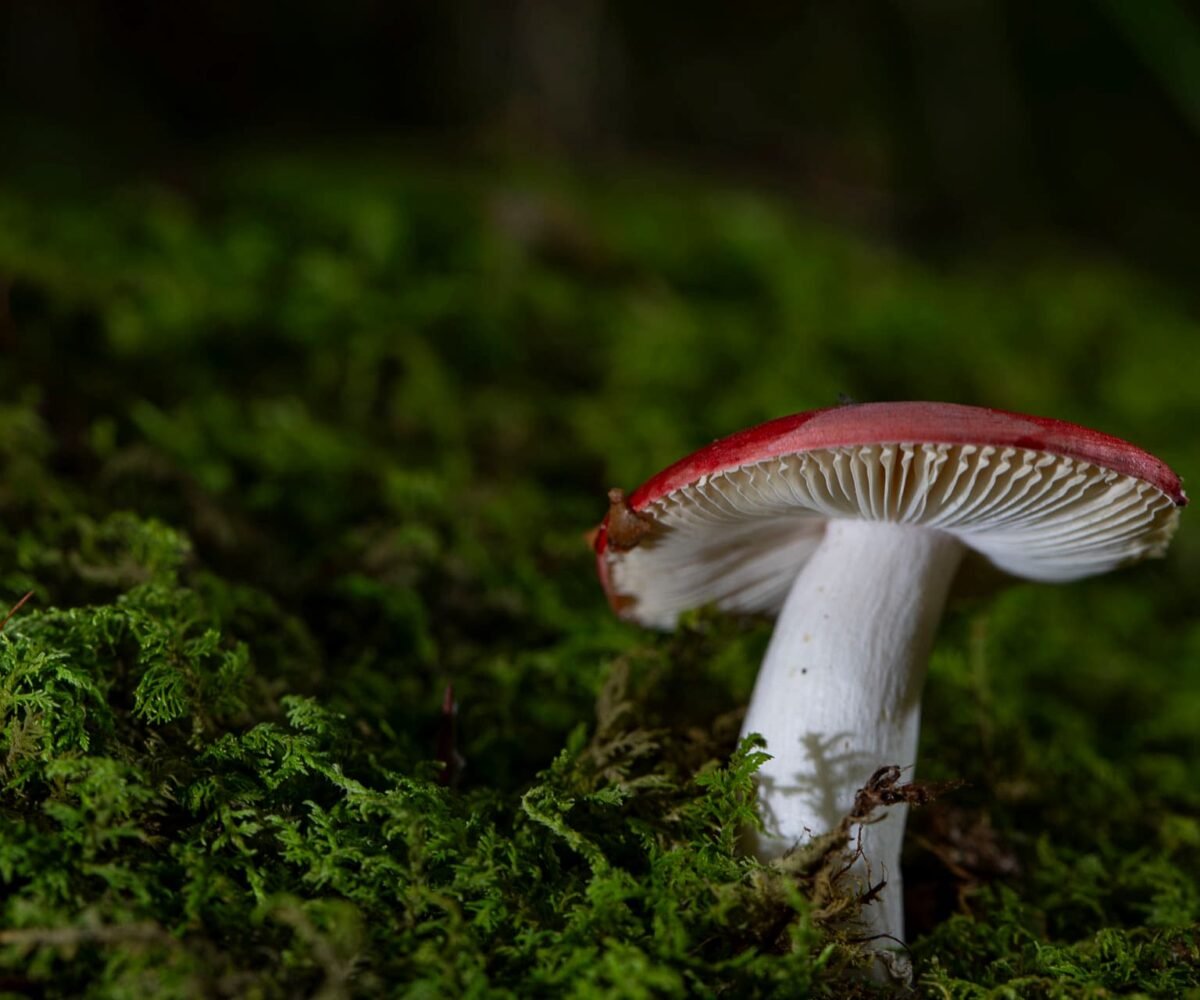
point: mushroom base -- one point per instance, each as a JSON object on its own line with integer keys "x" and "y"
{"x": 839, "y": 694}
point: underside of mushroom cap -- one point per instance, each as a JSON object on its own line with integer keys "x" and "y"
{"x": 732, "y": 524}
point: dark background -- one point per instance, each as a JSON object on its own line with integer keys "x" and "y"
{"x": 944, "y": 125}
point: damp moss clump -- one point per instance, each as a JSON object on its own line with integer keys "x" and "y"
{"x": 289, "y": 445}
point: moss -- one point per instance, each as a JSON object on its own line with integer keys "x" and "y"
{"x": 287, "y": 449}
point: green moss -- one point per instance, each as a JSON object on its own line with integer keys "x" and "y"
{"x": 283, "y": 455}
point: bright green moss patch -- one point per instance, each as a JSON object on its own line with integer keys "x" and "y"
{"x": 287, "y": 449}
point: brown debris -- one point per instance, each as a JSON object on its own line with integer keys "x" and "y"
{"x": 447, "y": 742}
{"x": 823, "y": 864}
{"x": 626, "y": 526}
{"x": 622, "y": 604}
{"x": 15, "y": 608}
{"x": 883, "y": 789}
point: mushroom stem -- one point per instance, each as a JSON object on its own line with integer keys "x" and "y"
{"x": 839, "y": 693}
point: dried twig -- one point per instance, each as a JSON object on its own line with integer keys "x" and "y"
{"x": 14, "y": 609}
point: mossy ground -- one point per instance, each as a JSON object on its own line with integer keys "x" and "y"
{"x": 287, "y": 445}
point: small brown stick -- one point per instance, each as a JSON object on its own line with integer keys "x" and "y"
{"x": 447, "y": 741}
{"x": 15, "y": 608}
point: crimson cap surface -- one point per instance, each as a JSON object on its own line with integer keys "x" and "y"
{"x": 733, "y": 523}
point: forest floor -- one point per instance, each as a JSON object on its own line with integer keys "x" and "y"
{"x": 290, "y": 443}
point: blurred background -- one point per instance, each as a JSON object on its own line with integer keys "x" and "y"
{"x": 291, "y": 276}
{"x": 374, "y": 301}
{"x": 940, "y": 125}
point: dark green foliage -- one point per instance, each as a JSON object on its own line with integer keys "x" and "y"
{"x": 289, "y": 448}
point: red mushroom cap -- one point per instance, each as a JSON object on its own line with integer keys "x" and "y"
{"x": 659, "y": 507}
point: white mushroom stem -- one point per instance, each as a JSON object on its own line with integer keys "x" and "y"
{"x": 839, "y": 693}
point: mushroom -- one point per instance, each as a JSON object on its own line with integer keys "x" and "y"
{"x": 849, "y": 524}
